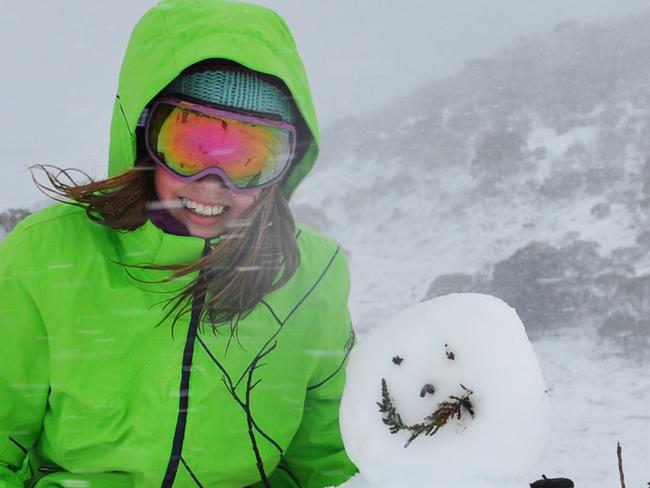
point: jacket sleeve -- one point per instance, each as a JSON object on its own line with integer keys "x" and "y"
{"x": 23, "y": 359}
{"x": 316, "y": 457}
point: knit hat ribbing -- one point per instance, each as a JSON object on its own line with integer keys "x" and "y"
{"x": 233, "y": 88}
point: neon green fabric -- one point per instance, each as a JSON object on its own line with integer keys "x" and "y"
{"x": 179, "y": 33}
{"x": 90, "y": 387}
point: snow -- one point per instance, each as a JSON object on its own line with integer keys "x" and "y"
{"x": 556, "y": 145}
{"x": 454, "y": 343}
{"x": 599, "y": 398}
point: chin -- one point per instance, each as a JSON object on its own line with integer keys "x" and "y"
{"x": 203, "y": 232}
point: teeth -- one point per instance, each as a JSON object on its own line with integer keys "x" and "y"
{"x": 201, "y": 209}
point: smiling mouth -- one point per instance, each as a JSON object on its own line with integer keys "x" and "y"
{"x": 203, "y": 210}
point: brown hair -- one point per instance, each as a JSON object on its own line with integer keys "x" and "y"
{"x": 259, "y": 256}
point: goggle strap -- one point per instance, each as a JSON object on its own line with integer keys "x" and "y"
{"x": 142, "y": 121}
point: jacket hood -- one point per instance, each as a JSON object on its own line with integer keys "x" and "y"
{"x": 176, "y": 34}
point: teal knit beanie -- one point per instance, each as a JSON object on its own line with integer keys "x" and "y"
{"x": 232, "y": 87}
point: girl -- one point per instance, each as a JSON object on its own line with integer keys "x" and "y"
{"x": 170, "y": 326}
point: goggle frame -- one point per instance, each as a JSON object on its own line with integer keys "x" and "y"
{"x": 267, "y": 120}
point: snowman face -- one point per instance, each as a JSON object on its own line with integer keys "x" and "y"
{"x": 445, "y": 348}
{"x": 444, "y": 411}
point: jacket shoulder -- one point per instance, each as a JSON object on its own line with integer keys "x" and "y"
{"x": 320, "y": 255}
{"x": 59, "y": 230}
{"x": 312, "y": 241}
{"x": 52, "y": 216}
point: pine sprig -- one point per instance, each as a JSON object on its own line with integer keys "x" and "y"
{"x": 390, "y": 416}
{"x": 447, "y": 410}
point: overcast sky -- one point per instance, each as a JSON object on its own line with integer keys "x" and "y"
{"x": 61, "y": 60}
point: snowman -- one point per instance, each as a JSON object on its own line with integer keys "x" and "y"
{"x": 448, "y": 393}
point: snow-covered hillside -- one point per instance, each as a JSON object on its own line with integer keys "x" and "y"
{"x": 546, "y": 142}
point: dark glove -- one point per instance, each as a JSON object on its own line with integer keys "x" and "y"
{"x": 552, "y": 483}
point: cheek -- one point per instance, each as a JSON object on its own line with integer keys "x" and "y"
{"x": 244, "y": 202}
{"x": 165, "y": 185}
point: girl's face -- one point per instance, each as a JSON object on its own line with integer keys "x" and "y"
{"x": 206, "y": 206}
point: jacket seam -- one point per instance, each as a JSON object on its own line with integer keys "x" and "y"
{"x": 26, "y": 452}
{"x": 348, "y": 349}
{"x": 305, "y": 296}
{"x": 231, "y": 388}
{"x": 18, "y": 445}
{"x": 283, "y": 466}
{"x": 336, "y": 371}
{"x": 126, "y": 119}
{"x": 196, "y": 480}
{"x": 169, "y": 38}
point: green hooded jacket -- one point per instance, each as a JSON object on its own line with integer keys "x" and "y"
{"x": 94, "y": 394}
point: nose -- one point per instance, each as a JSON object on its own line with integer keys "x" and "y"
{"x": 213, "y": 180}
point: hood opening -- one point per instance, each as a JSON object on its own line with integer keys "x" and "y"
{"x": 303, "y": 134}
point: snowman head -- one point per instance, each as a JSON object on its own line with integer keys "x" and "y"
{"x": 459, "y": 372}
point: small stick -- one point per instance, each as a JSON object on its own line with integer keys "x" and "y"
{"x": 619, "y": 454}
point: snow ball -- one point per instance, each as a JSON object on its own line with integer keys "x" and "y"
{"x": 465, "y": 345}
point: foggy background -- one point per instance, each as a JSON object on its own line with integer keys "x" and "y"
{"x": 61, "y": 61}
{"x": 499, "y": 147}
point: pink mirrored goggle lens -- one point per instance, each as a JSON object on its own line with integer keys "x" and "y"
{"x": 191, "y": 140}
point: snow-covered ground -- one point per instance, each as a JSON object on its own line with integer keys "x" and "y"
{"x": 598, "y": 398}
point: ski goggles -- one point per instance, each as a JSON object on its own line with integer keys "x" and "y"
{"x": 191, "y": 141}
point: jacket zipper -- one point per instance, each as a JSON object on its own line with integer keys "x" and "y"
{"x": 181, "y": 421}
